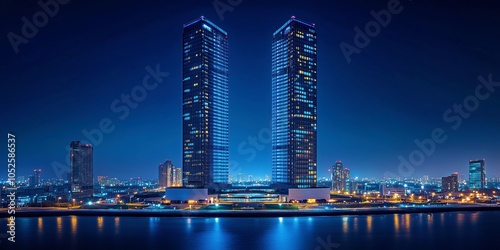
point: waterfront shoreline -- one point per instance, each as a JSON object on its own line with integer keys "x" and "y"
{"x": 243, "y": 214}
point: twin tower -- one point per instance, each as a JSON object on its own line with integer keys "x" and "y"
{"x": 205, "y": 107}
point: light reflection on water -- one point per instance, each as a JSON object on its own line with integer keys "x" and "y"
{"x": 407, "y": 223}
{"x": 396, "y": 223}
{"x": 59, "y": 226}
{"x": 74, "y": 224}
{"x": 345, "y": 224}
{"x": 100, "y": 223}
{"x": 40, "y": 224}
{"x": 352, "y": 232}
{"x": 117, "y": 225}
{"x": 369, "y": 221}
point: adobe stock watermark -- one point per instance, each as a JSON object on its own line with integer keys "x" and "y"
{"x": 122, "y": 107}
{"x": 326, "y": 245}
{"x": 223, "y": 6}
{"x": 372, "y": 29}
{"x": 40, "y": 19}
{"x": 453, "y": 116}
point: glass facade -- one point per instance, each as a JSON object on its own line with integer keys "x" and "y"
{"x": 477, "y": 174}
{"x": 294, "y": 103}
{"x": 81, "y": 169}
{"x": 205, "y": 107}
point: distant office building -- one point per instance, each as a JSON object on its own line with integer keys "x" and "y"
{"x": 102, "y": 180}
{"x": 81, "y": 169}
{"x": 347, "y": 174}
{"x": 340, "y": 177}
{"x": 29, "y": 182}
{"x": 477, "y": 174}
{"x": 170, "y": 170}
{"x": 205, "y": 86}
{"x": 449, "y": 183}
{"x": 347, "y": 180}
{"x": 165, "y": 174}
{"x": 36, "y": 177}
{"x": 391, "y": 190}
{"x": 425, "y": 180}
{"x": 294, "y": 103}
{"x": 169, "y": 175}
{"x": 136, "y": 181}
{"x": 177, "y": 177}
{"x": 459, "y": 178}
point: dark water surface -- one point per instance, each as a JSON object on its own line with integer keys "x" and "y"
{"x": 453, "y": 230}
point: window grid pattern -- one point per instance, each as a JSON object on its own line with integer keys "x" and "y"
{"x": 205, "y": 104}
{"x": 294, "y": 105}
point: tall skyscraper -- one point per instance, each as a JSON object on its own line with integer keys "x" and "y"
{"x": 205, "y": 85}
{"x": 169, "y": 175}
{"x": 177, "y": 177}
{"x": 294, "y": 103}
{"x": 36, "y": 177}
{"x": 163, "y": 173}
{"x": 348, "y": 186}
{"x": 170, "y": 169}
{"x": 477, "y": 174}
{"x": 339, "y": 176}
{"x": 81, "y": 169}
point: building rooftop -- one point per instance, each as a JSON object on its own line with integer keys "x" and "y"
{"x": 202, "y": 18}
{"x": 293, "y": 19}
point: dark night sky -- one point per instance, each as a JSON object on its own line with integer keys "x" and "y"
{"x": 369, "y": 111}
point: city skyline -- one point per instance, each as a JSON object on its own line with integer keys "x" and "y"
{"x": 367, "y": 133}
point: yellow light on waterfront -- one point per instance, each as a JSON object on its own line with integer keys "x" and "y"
{"x": 311, "y": 200}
